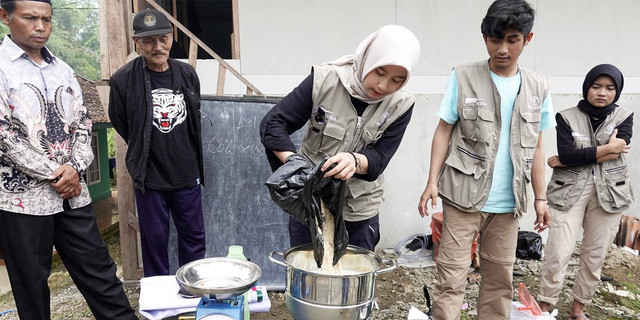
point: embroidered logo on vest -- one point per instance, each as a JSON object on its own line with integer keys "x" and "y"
{"x": 478, "y": 102}
{"x": 383, "y": 119}
{"x": 534, "y": 103}
{"x": 579, "y": 136}
{"x": 322, "y": 115}
{"x": 610, "y": 128}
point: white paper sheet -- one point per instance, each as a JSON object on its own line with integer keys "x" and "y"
{"x": 159, "y": 298}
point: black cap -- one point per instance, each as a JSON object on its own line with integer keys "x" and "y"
{"x": 150, "y": 23}
{"x": 5, "y": 1}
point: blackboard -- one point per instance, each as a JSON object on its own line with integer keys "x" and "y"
{"x": 237, "y": 207}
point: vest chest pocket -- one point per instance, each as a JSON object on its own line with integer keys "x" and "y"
{"x": 331, "y": 139}
{"x": 370, "y": 136}
{"x": 601, "y": 139}
{"x": 563, "y": 180}
{"x": 529, "y": 129}
{"x": 618, "y": 187}
{"x": 476, "y": 124}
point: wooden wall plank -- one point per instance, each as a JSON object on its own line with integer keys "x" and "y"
{"x": 116, "y": 41}
{"x": 193, "y": 53}
{"x": 235, "y": 36}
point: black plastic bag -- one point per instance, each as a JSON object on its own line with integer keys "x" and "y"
{"x": 529, "y": 245}
{"x": 298, "y": 187}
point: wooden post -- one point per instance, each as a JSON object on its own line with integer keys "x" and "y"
{"x": 193, "y": 53}
{"x": 174, "y": 7}
{"x": 115, "y": 31}
{"x": 103, "y": 36}
{"x": 235, "y": 36}
{"x": 222, "y": 72}
{"x": 204, "y": 47}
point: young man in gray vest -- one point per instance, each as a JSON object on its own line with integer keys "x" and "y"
{"x": 485, "y": 150}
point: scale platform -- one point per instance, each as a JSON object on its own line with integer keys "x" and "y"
{"x": 220, "y": 282}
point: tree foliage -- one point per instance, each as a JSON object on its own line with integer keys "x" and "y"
{"x": 75, "y": 36}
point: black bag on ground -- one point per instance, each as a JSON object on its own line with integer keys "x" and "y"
{"x": 529, "y": 245}
{"x": 298, "y": 187}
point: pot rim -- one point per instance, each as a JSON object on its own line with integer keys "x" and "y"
{"x": 350, "y": 248}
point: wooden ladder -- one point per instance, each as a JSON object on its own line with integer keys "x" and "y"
{"x": 194, "y": 42}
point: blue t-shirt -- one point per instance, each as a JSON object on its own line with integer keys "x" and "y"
{"x": 501, "y": 198}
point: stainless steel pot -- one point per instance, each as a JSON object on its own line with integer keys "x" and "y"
{"x": 316, "y": 295}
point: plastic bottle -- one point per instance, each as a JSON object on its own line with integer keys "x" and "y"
{"x": 238, "y": 253}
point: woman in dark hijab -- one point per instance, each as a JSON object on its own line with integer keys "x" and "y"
{"x": 589, "y": 188}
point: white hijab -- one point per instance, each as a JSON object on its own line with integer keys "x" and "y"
{"x": 389, "y": 45}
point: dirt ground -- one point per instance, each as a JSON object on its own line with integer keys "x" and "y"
{"x": 397, "y": 291}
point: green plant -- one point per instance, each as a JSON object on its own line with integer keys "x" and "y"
{"x": 631, "y": 288}
{"x": 633, "y": 304}
{"x": 111, "y": 145}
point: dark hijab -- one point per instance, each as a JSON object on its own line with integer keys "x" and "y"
{"x": 600, "y": 113}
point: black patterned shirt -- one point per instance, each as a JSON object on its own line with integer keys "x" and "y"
{"x": 43, "y": 124}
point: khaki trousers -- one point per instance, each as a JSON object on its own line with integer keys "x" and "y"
{"x": 498, "y": 240}
{"x": 600, "y": 227}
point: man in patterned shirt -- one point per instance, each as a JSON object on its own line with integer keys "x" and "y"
{"x": 45, "y": 143}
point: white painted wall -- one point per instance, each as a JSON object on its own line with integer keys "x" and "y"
{"x": 282, "y": 39}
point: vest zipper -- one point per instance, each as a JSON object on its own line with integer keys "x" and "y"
{"x": 594, "y": 141}
{"x": 610, "y": 170}
{"x": 576, "y": 172}
{"x": 356, "y": 133}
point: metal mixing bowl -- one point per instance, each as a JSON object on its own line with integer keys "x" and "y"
{"x": 218, "y": 278}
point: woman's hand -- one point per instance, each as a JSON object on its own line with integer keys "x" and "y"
{"x": 345, "y": 166}
{"x": 554, "y": 161}
{"x": 616, "y": 144}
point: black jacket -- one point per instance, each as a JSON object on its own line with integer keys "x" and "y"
{"x": 131, "y": 112}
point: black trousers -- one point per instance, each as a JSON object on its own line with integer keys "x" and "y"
{"x": 27, "y": 242}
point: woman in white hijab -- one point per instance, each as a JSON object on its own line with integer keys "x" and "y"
{"x": 356, "y": 113}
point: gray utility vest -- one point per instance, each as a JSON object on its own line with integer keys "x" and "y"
{"x": 466, "y": 177}
{"x": 335, "y": 127}
{"x": 613, "y": 187}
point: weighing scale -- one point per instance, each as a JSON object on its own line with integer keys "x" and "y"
{"x": 227, "y": 309}
{"x": 220, "y": 282}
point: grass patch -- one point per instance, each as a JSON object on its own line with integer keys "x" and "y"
{"x": 631, "y": 304}
{"x": 618, "y": 300}
{"x": 631, "y": 287}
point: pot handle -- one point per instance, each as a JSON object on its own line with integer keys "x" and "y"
{"x": 389, "y": 269}
{"x": 276, "y": 261}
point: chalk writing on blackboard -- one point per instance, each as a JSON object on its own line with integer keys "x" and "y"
{"x": 237, "y": 206}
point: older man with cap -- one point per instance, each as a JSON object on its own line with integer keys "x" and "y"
{"x": 45, "y": 145}
{"x": 154, "y": 105}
